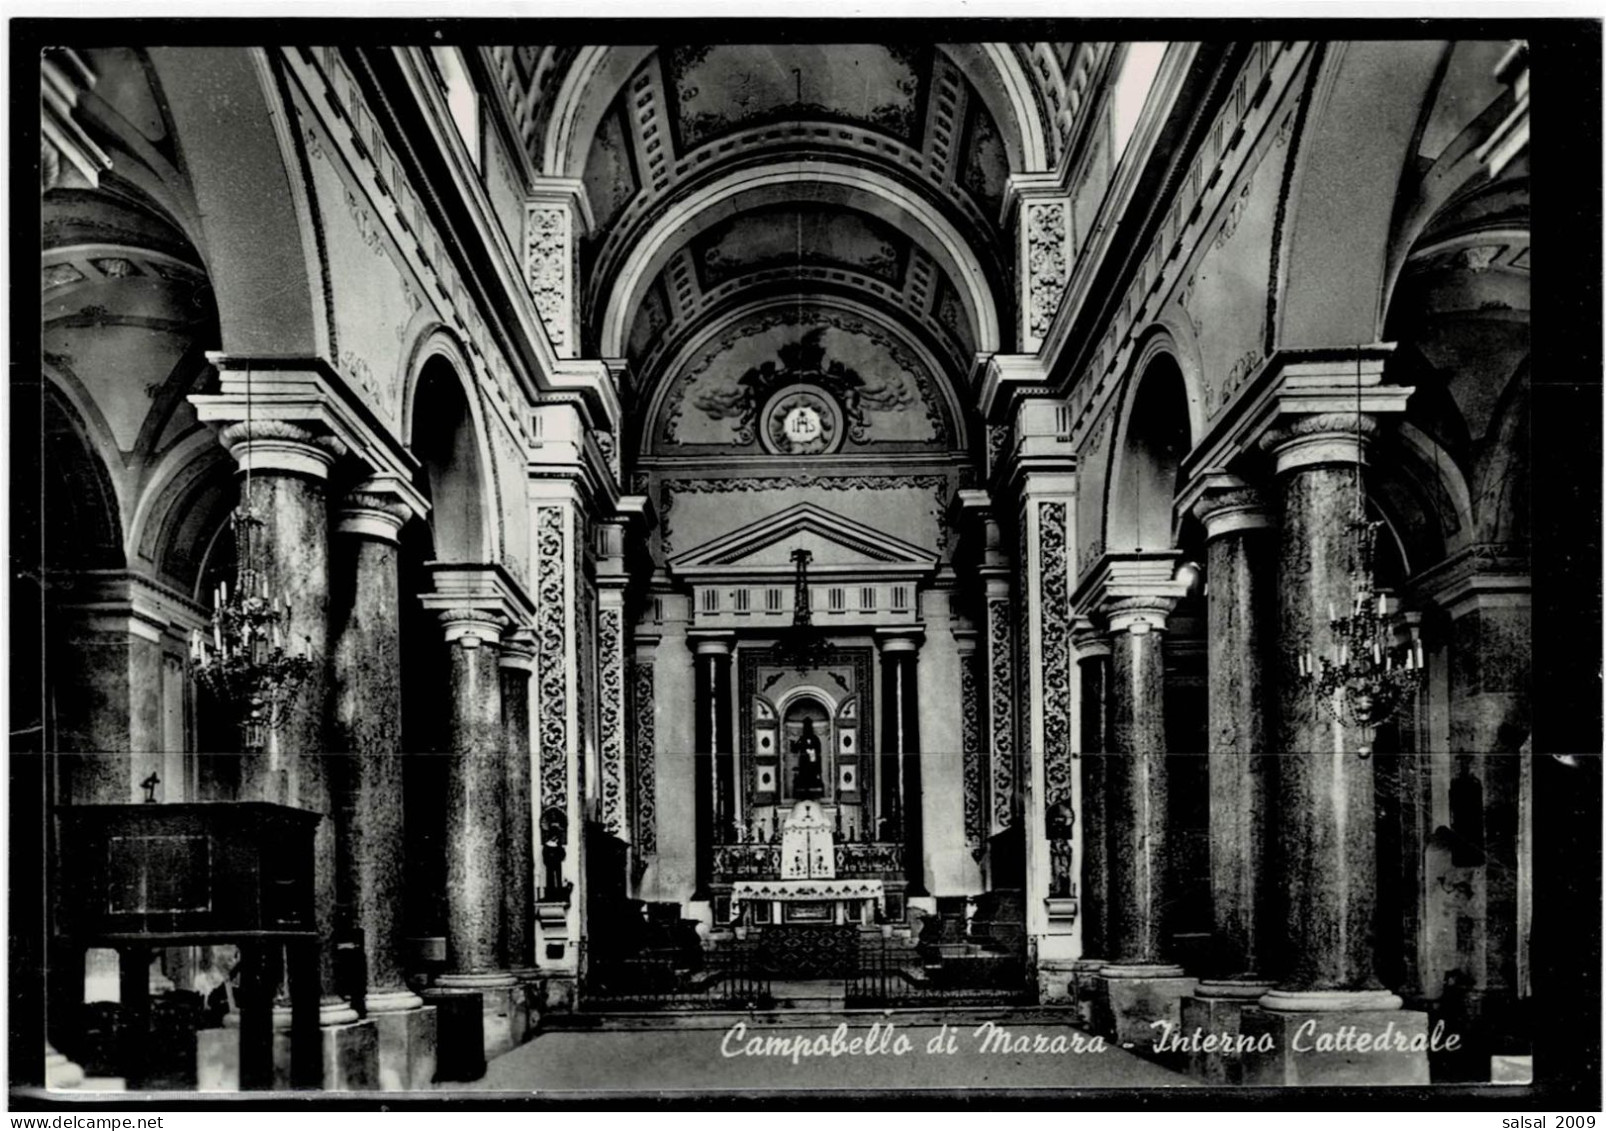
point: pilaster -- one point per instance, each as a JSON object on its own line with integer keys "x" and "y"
{"x": 1044, "y": 253}
{"x": 557, "y": 213}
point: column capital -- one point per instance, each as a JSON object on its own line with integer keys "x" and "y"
{"x": 472, "y": 627}
{"x": 486, "y": 587}
{"x": 1292, "y": 383}
{"x": 306, "y": 393}
{"x": 1224, "y": 504}
{"x": 1139, "y": 615}
{"x": 518, "y": 650}
{"x": 1478, "y": 577}
{"x": 1323, "y": 439}
{"x": 1087, "y": 640}
{"x": 278, "y": 446}
{"x": 379, "y": 507}
{"x": 712, "y": 643}
{"x": 896, "y": 641}
{"x": 1120, "y": 577}
{"x": 965, "y": 641}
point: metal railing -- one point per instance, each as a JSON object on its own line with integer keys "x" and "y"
{"x": 893, "y": 976}
{"x": 729, "y": 977}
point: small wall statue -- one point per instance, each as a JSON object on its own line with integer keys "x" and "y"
{"x": 1060, "y": 821}
{"x": 807, "y": 780}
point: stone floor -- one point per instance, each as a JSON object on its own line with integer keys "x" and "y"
{"x": 679, "y": 1059}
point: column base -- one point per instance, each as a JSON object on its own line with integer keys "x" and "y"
{"x": 1209, "y": 1035}
{"x": 1084, "y": 986}
{"x": 61, "y": 1072}
{"x": 1357, "y": 1048}
{"x": 217, "y": 1059}
{"x": 506, "y": 1014}
{"x": 1130, "y": 1001}
{"x": 350, "y": 1056}
{"x": 407, "y": 1043}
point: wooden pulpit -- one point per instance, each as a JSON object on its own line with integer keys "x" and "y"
{"x": 139, "y": 877}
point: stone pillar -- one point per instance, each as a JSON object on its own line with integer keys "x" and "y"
{"x": 475, "y": 784}
{"x": 998, "y": 651}
{"x": 714, "y": 776}
{"x": 1138, "y": 987}
{"x": 1326, "y": 843}
{"x": 283, "y": 470}
{"x": 1093, "y": 669}
{"x": 1240, "y": 553}
{"x": 973, "y": 765}
{"x": 366, "y": 705}
{"x": 1042, "y": 476}
{"x": 516, "y": 662}
{"x": 900, "y": 752}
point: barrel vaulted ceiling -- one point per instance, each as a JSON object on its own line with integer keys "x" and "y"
{"x": 869, "y": 180}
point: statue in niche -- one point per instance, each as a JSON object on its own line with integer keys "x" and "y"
{"x": 1061, "y": 823}
{"x": 554, "y": 848}
{"x": 807, "y": 780}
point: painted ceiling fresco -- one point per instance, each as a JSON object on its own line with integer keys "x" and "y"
{"x": 883, "y": 392}
{"x": 806, "y": 234}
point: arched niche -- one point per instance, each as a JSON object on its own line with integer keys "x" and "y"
{"x": 80, "y": 522}
{"x": 445, "y": 436}
{"x": 1156, "y": 434}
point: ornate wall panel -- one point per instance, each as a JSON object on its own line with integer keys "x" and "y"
{"x": 975, "y": 802}
{"x": 1056, "y": 653}
{"x": 645, "y": 800}
{"x": 1001, "y": 710}
{"x": 611, "y": 721}
{"x": 552, "y": 658}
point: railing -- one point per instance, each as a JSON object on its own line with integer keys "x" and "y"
{"x": 730, "y": 977}
{"x": 856, "y": 860}
{"x": 891, "y": 977}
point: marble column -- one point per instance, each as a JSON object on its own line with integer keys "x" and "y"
{"x": 1240, "y": 555}
{"x": 1327, "y": 822}
{"x": 714, "y": 776}
{"x": 1326, "y": 844}
{"x": 1092, "y": 650}
{"x": 283, "y": 470}
{"x": 1137, "y": 986}
{"x": 900, "y": 757}
{"x": 366, "y": 712}
{"x": 475, "y": 785}
{"x": 366, "y": 692}
{"x": 516, "y": 663}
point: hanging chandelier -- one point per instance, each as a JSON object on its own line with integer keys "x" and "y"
{"x": 802, "y": 646}
{"x": 247, "y": 662}
{"x": 1366, "y": 678}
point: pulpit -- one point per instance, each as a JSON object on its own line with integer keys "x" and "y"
{"x": 138, "y": 877}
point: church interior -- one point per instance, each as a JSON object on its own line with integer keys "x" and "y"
{"x": 533, "y": 534}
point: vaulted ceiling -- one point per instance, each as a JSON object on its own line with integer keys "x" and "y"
{"x": 864, "y": 178}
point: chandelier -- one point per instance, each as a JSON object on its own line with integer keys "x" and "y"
{"x": 1366, "y": 678}
{"x": 802, "y": 646}
{"x": 247, "y": 662}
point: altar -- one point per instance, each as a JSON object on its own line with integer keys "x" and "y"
{"x": 808, "y": 889}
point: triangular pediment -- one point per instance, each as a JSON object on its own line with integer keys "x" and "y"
{"x": 836, "y": 543}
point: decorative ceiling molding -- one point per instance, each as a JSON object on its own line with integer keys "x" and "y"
{"x": 872, "y": 192}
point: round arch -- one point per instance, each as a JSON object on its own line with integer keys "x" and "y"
{"x": 671, "y": 369}
{"x": 241, "y": 153}
{"x": 444, "y": 427}
{"x": 598, "y": 74}
{"x": 800, "y": 181}
{"x": 1155, "y": 426}
{"x": 1334, "y": 250}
